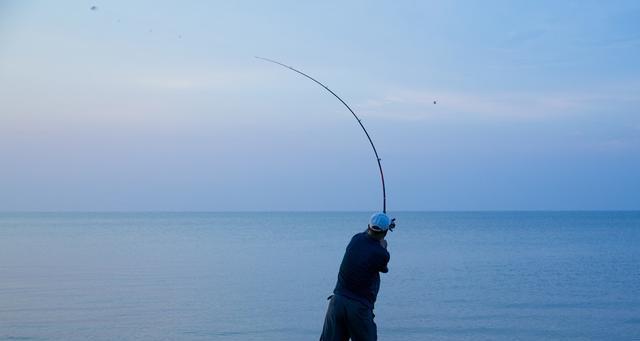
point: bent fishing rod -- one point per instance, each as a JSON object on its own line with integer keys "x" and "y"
{"x": 378, "y": 159}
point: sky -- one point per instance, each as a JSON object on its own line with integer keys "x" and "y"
{"x": 161, "y": 105}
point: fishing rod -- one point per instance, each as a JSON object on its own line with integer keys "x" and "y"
{"x": 378, "y": 159}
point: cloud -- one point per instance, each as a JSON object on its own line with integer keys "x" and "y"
{"x": 416, "y": 104}
{"x": 170, "y": 83}
{"x": 519, "y": 38}
{"x": 201, "y": 78}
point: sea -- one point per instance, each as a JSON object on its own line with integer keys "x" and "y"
{"x": 266, "y": 276}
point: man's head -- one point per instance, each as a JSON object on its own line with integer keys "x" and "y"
{"x": 379, "y": 224}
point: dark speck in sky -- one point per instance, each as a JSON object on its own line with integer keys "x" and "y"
{"x": 94, "y": 8}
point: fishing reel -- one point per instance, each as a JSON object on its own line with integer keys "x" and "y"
{"x": 392, "y": 225}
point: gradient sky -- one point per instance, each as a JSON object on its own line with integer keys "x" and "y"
{"x": 159, "y": 105}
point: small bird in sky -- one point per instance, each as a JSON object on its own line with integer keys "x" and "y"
{"x": 434, "y": 102}
{"x": 94, "y": 8}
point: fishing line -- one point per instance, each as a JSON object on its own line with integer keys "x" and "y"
{"x": 384, "y": 192}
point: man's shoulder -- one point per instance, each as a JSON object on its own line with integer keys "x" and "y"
{"x": 360, "y": 234}
{"x": 363, "y": 240}
{"x": 358, "y": 237}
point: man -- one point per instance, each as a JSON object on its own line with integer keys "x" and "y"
{"x": 350, "y": 312}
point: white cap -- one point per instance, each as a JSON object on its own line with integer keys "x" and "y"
{"x": 379, "y": 222}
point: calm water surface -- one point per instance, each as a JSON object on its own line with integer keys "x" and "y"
{"x": 266, "y": 276}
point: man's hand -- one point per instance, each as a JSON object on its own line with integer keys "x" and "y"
{"x": 383, "y": 242}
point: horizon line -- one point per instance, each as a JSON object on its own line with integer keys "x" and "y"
{"x": 323, "y": 211}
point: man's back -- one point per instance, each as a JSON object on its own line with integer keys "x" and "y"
{"x": 359, "y": 277}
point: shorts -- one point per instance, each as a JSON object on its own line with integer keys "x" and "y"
{"x": 347, "y": 318}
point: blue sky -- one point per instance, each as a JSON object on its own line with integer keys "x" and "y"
{"x": 161, "y": 105}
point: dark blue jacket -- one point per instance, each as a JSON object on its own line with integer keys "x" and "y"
{"x": 359, "y": 276}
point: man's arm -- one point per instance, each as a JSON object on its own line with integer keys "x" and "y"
{"x": 384, "y": 261}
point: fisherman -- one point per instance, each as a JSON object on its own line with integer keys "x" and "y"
{"x": 350, "y": 312}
